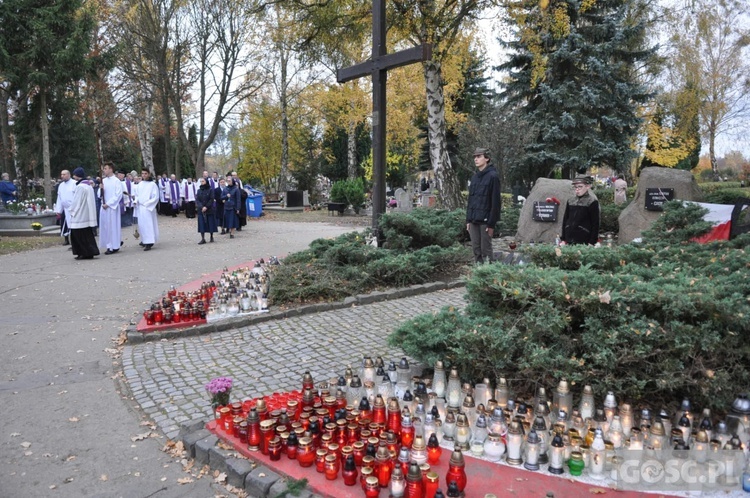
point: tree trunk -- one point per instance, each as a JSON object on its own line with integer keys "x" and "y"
{"x": 45, "y": 146}
{"x": 712, "y": 151}
{"x": 351, "y": 150}
{"x": 5, "y": 147}
{"x": 146, "y": 139}
{"x": 284, "y": 102}
{"x": 166, "y": 121}
{"x": 446, "y": 181}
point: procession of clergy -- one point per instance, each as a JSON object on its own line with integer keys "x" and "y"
{"x": 121, "y": 199}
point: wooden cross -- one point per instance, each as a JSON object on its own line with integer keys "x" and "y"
{"x": 378, "y": 67}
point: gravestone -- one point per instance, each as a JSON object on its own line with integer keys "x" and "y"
{"x": 540, "y": 221}
{"x": 294, "y": 198}
{"x": 428, "y": 200}
{"x": 403, "y": 201}
{"x": 306, "y": 198}
{"x": 655, "y": 185}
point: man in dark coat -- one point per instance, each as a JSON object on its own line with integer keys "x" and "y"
{"x": 483, "y": 209}
{"x": 581, "y": 218}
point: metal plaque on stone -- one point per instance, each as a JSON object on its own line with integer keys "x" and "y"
{"x": 545, "y": 211}
{"x": 656, "y": 197}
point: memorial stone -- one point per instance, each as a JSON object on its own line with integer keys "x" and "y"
{"x": 403, "y": 201}
{"x": 638, "y": 215}
{"x": 538, "y": 221}
{"x": 294, "y": 198}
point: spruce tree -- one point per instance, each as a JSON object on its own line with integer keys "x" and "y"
{"x": 573, "y": 70}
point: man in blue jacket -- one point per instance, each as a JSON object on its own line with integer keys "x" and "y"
{"x": 7, "y": 189}
{"x": 483, "y": 209}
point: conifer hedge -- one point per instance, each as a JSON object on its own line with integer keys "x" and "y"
{"x": 653, "y": 322}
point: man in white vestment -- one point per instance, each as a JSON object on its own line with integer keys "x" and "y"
{"x": 147, "y": 200}
{"x": 187, "y": 193}
{"x": 110, "y": 237}
{"x": 64, "y": 197}
{"x": 82, "y": 219}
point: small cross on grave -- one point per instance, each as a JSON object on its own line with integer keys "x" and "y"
{"x": 378, "y": 67}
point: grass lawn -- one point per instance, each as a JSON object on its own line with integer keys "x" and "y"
{"x": 10, "y": 245}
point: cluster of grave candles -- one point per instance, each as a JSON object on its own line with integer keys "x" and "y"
{"x": 179, "y": 307}
{"x": 241, "y": 291}
{"x": 387, "y": 427}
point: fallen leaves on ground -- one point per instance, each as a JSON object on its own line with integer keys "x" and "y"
{"x": 104, "y": 477}
{"x": 70, "y": 458}
{"x": 220, "y": 477}
{"x": 185, "y": 480}
{"x": 141, "y": 437}
{"x": 25, "y": 444}
{"x": 73, "y": 419}
{"x": 225, "y": 446}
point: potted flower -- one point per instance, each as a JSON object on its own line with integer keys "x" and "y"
{"x": 219, "y": 390}
{"x": 36, "y": 226}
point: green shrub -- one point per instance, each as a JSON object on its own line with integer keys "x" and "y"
{"x": 726, "y": 196}
{"x": 424, "y": 227}
{"x": 710, "y": 187}
{"x": 652, "y": 322}
{"x": 605, "y": 195}
{"x": 509, "y": 216}
{"x": 608, "y": 217}
{"x": 349, "y": 192}
{"x": 422, "y": 246}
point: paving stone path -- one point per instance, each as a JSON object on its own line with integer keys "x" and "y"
{"x": 166, "y": 378}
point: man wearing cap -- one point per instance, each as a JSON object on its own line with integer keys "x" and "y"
{"x": 110, "y": 236}
{"x": 581, "y": 218}
{"x": 483, "y": 209}
{"x": 82, "y": 220}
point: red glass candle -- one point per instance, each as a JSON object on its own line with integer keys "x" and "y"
{"x": 394, "y": 416}
{"x": 375, "y": 429}
{"x": 359, "y": 452}
{"x": 176, "y": 317}
{"x": 320, "y": 460}
{"x": 291, "y": 446}
{"x": 350, "y": 471}
{"x": 293, "y": 409}
{"x": 364, "y": 473}
{"x": 345, "y": 452}
{"x": 378, "y": 411}
{"x": 236, "y": 408}
{"x": 432, "y": 483}
{"x": 149, "y": 316}
{"x": 372, "y": 487}
{"x": 341, "y": 436}
{"x": 414, "y": 485}
{"x": 456, "y": 472}
{"x": 331, "y": 467}
{"x": 226, "y": 419}
{"x": 352, "y": 433}
{"x": 407, "y": 435}
{"x": 305, "y": 452}
{"x": 243, "y": 432}
{"x": 253, "y": 430}
{"x": 425, "y": 469}
{"x": 266, "y": 434}
{"x": 334, "y": 449}
{"x": 383, "y": 467}
{"x": 274, "y": 448}
{"x": 236, "y": 421}
{"x": 262, "y": 409}
{"x": 158, "y": 316}
{"x": 329, "y": 402}
{"x": 433, "y": 450}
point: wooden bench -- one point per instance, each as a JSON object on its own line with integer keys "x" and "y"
{"x": 337, "y": 207}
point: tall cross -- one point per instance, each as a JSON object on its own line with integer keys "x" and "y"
{"x": 378, "y": 67}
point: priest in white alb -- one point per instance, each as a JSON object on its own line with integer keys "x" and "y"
{"x": 147, "y": 198}
{"x": 110, "y": 237}
{"x": 65, "y": 191}
{"x": 82, "y": 220}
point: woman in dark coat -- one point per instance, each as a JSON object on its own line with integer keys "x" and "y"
{"x": 204, "y": 205}
{"x": 232, "y": 200}
{"x": 219, "y": 204}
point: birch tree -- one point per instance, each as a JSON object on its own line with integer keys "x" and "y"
{"x": 440, "y": 23}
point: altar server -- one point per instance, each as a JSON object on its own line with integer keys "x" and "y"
{"x": 147, "y": 200}
{"x": 128, "y": 194}
{"x": 187, "y": 192}
{"x": 62, "y": 206}
{"x": 109, "y": 216}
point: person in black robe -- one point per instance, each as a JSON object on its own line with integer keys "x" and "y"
{"x": 204, "y": 203}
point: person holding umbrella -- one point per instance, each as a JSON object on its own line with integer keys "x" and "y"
{"x": 204, "y": 205}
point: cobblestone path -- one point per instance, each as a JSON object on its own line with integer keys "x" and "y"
{"x": 166, "y": 378}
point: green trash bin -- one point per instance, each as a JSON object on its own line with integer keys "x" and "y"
{"x": 255, "y": 205}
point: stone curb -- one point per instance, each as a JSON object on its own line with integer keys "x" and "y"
{"x": 256, "y": 479}
{"x": 135, "y": 337}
